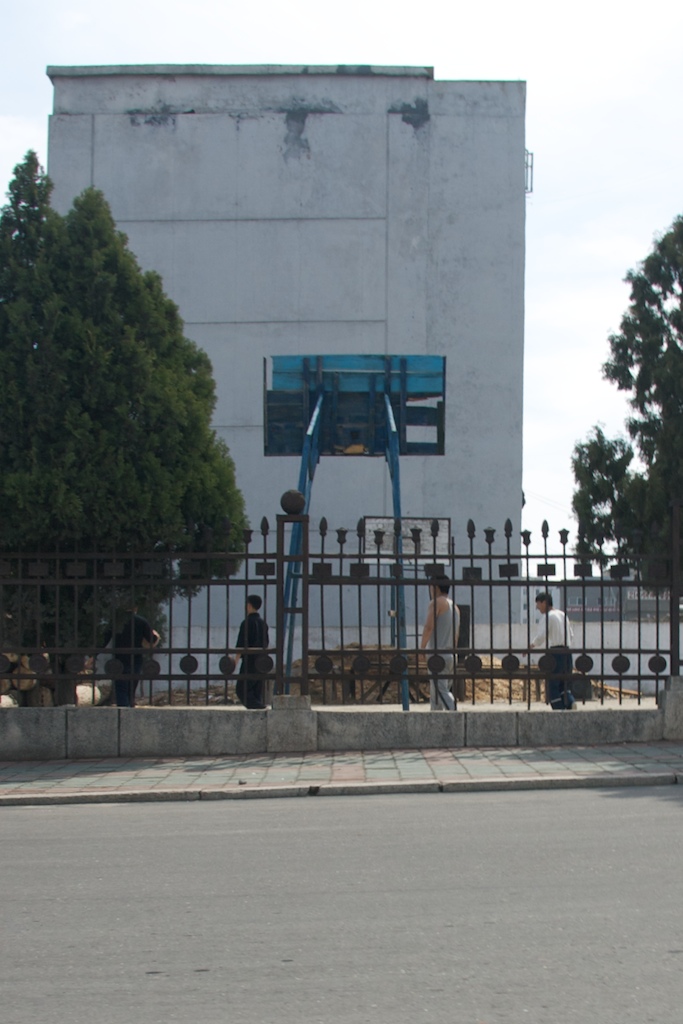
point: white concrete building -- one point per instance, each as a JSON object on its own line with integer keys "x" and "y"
{"x": 323, "y": 210}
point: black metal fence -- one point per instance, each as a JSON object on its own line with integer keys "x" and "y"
{"x": 352, "y": 628}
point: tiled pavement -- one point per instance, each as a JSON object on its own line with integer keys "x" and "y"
{"x": 338, "y": 774}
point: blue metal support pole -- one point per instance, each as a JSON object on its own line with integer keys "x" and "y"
{"x": 310, "y": 457}
{"x": 392, "y": 457}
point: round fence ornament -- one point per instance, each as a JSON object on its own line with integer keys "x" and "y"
{"x": 398, "y": 665}
{"x": 227, "y": 665}
{"x": 473, "y": 663}
{"x": 360, "y": 665}
{"x": 113, "y": 668}
{"x": 150, "y": 669}
{"x": 38, "y": 663}
{"x": 75, "y": 663}
{"x": 263, "y": 663}
{"x": 435, "y": 664}
{"x": 621, "y": 664}
{"x": 188, "y": 664}
{"x": 510, "y": 663}
{"x": 584, "y": 663}
{"x": 547, "y": 663}
{"x": 657, "y": 664}
{"x": 323, "y": 665}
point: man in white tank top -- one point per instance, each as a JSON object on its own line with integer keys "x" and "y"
{"x": 440, "y": 635}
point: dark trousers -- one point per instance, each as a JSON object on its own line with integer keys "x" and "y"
{"x": 559, "y": 695}
{"x": 125, "y": 688}
{"x": 249, "y": 691}
{"x": 125, "y": 692}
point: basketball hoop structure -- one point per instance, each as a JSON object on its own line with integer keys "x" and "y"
{"x": 352, "y": 406}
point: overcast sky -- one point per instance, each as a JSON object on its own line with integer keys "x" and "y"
{"x": 604, "y": 122}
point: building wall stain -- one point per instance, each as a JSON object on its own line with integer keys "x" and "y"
{"x": 162, "y": 118}
{"x": 296, "y": 143}
{"x": 354, "y": 69}
{"x": 415, "y": 114}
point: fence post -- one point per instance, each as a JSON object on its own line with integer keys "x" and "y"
{"x": 674, "y": 613}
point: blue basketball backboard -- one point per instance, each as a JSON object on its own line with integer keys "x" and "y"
{"x": 353, "y": 411}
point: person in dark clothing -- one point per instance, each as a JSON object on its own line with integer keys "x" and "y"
{"x": 252, "y": 637}
{"x": 129, "y": 644}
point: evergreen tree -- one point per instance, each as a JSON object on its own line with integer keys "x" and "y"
{"x": 105, "y": 425}
{"x": 106, "y": 418}
{"x": 646, "y": 361}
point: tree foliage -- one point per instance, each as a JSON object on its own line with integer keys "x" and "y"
{"x": 106, "y": 414}
{"x": 646, "y": 361}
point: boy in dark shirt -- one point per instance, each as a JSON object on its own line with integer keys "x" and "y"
{"x": 136, "y": 633}
{"x": 253, "y": 636}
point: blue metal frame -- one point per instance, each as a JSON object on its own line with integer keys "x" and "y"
{"x": 310, "y": 458}
{"x": 353, "y": 420}
{"x": 393, "y": 461}
{"x": 309, "y": 461}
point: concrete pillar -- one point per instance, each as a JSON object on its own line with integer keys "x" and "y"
{"x": 672, "y": 706}
{"x": 292, "y": 725}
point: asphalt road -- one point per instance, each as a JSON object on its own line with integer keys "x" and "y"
{"x": 540, "y": 907}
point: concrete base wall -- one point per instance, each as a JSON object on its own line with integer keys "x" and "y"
{"x": 81, "y": 733}
{"x": 384, "y": 730}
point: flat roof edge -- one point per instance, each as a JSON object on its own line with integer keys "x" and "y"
{"x": 352, "y": 70}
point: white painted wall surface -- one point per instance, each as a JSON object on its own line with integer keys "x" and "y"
{"x": 348, "y": 230}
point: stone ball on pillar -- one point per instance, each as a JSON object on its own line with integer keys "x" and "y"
{"x": 292, "y": 503}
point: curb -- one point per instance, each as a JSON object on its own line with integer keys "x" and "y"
{"x": 564, "y": 782}
{"x": 125, "y": 796}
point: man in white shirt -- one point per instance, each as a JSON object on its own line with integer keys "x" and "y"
{"x": 556, "y": 636}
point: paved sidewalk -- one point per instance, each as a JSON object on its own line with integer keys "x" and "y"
{"x": 338, "y": 774}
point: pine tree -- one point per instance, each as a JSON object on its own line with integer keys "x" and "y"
{"x": 106, "y": 417}
{"x": 646, "y": 361}
{"x": 105, "y": 424}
